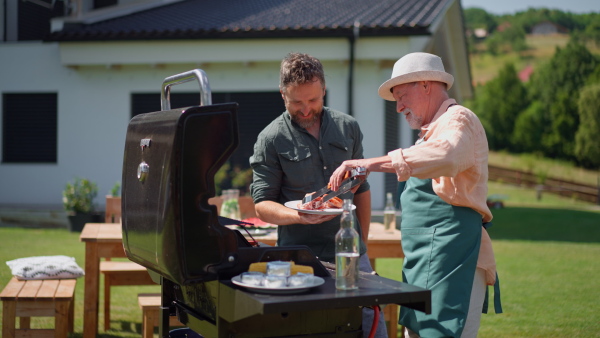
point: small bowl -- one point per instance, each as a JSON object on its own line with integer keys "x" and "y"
{"x": 279, "y": 268}
{"x": 275, "y": 281}
{"x": 300, "y": 279}
{"x": 254, "y": 278}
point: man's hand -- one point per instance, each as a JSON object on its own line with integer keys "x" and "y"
{"x": 342, "y": 172}
{"x": 313, "y": 218}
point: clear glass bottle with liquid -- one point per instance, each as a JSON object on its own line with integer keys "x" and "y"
{"x": 346, "y": 251}
{"x": 389, "y": 213}
{"x": 230, "y": 207}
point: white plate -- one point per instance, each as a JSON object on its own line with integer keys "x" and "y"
{"x": 254, "y": 232}
{"x": 237, "y": 280}
{"x": 294, "y": 205}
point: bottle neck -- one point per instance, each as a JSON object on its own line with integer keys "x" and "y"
{"x": 347, "y": 217}
{"x": 389, "y": 201}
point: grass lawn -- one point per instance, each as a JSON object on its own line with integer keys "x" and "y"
{"x": 547, "y": 253}
{"x": 25, "y": 242}
{"x": 548, "y": 269}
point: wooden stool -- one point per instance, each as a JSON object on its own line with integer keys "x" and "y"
{"x": 38, "y": 298}
{"x": 118, "y": 273}
{"x": 150, "y": 305}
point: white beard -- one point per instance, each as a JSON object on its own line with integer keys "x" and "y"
{"x": 414, "y": 122}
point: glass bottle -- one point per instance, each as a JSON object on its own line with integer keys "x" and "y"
{"x": 346, "y": 251}
{"x": 225, "y": 206}
{"x": 389, "y": 213}
{"x": 230, "y": 207}
{"x": 235, "y": 205}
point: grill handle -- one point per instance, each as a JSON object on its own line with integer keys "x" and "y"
{"x": 195, "y": 74}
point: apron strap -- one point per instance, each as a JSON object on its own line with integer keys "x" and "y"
{"x": 399, "y": 189}
{"x": 497, "y": 302}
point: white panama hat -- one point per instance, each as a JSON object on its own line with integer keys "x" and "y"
{"x": 415, "y": 67}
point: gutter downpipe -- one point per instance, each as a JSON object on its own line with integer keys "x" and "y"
{"x": 353, "y": 38}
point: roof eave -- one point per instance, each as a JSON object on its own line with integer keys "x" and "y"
{"x": 66, "y": 36}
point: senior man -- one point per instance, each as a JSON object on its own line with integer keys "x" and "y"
{"x": 444, "y": 208}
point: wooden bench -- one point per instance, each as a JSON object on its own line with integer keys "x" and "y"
{"x": 117, "y": 273}
{"x": 38, "y": 298}
{"x": 150, "y": 305}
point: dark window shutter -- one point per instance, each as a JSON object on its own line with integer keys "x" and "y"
{"x": 415, "y": 135}
{"x": 144, "y": 103}
{"x": 34, "y": 19}
{"x": 392, "y": 141}
{"x": 256, "y": 110}
{"x": 104, "y": 3}
{"x": 29, "y": 133}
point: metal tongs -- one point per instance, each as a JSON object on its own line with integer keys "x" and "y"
{"x": 356, "y": 177}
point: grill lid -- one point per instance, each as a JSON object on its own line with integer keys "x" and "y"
{"x": 169, "y": 163}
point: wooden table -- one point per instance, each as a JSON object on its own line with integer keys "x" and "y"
{"x": 102, "y": 240}
{"x": 382, "y": 244}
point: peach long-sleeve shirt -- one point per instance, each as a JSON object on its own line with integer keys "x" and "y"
{"x": 455, "y": 157}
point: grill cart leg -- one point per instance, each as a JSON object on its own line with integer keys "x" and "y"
{"x": 164, "y": 313}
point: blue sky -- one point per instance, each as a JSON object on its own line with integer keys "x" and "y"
{"x": 513, "y": 6}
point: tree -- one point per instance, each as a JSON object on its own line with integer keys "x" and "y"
{"x": 498, "y": 104}
{"x": 587, "y": 141}
{"x": 527, "y": 134}
{"x": 479, "y": 18}
{"x": 556, "y": 86}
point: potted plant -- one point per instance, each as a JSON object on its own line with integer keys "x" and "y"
{"x": 78, "y": 200}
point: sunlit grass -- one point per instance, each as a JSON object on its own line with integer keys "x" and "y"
{"x": 547, "y": 266}
{"x": 547, "y": 289}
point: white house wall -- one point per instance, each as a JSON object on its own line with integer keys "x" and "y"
{"x": 94, "y": 82}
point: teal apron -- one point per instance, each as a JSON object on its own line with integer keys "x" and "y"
{"x": 441, "y": 246}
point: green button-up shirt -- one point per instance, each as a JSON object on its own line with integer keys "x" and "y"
{"x": 289, "y": 162}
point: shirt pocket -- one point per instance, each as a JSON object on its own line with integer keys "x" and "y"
{"x": 339, "y": 152}
{"x": 296, "y": 164}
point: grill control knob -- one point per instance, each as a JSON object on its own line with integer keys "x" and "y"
{"x": 142, "y": 171}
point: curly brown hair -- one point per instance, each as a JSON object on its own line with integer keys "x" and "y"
{"x": 300, "y": 68}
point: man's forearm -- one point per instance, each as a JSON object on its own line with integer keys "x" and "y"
{"x": 275, "y": 213}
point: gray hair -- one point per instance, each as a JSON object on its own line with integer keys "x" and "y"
{"x": 299, "y": 68}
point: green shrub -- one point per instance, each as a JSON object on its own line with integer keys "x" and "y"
{"x": 78, "y": 196}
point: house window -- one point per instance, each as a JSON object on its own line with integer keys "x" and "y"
{"x": 29, "y": 128}
{"x": 256, "y": 110}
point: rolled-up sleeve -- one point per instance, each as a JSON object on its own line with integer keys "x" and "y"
{"x": 445, "y": 154}
{"x": 399, "y": 163}
{"x": 267, "y": 173}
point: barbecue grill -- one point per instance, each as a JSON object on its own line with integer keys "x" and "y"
{"x": 170, "y": 160}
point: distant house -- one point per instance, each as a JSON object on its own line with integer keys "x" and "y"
{"x": 480, "y": 33}
{"x": 525, "y": 73}
{"x": 547, "y": 28}
{"x": 74, "y": 72}
{"x": 503, "y": 26}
